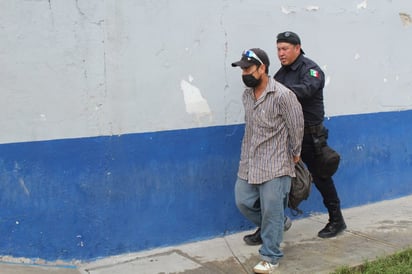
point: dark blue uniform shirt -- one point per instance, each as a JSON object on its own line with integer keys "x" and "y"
{"x": 305, "y": 78}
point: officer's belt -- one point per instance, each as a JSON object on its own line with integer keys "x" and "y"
{"x": 313, "y": 129}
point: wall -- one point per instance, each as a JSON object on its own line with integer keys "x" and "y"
{"x": 122, "y": 120}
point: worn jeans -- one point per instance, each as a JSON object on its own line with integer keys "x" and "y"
{"x": 269, "y": 216}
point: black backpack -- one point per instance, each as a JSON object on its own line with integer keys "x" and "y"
{"x": 300, "y": 187}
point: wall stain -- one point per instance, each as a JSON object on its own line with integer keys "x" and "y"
{"x": 405, "y": 18}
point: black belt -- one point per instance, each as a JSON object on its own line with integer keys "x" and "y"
{"x": 313, "y": 129}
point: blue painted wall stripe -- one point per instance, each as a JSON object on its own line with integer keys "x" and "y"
{"x": 94, "y": 197}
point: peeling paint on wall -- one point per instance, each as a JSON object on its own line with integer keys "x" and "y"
{"x": 312, "y": 8}
{"x": 405, "y": 18}
{"x": 363, "y": 5}
{"x": 288, "y": 10}
{"x": 195, "y": 103}
{"x": 24, "y": 187}
{"x": 327, "y": 81}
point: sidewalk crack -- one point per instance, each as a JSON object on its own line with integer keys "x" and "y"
{"x": 234, "y": 255}
{"x": 366, "y": 236}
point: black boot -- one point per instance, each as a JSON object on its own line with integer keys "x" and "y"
{"x": 335, "y": 225}
{"x": 253, "y": 239}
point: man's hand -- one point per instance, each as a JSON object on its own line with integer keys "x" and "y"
{"x": 296, "y": 159}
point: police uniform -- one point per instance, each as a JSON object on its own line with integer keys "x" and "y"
{"x": 305, "y": 78}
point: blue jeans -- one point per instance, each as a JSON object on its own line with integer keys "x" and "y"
{"x": 269, "y": 216}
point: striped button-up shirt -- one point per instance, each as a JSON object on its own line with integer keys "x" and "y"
{"x": 273, "y": 134}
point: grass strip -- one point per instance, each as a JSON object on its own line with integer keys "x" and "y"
{"x": 398, "y": 263}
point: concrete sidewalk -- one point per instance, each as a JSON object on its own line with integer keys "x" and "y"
{"x": 374, "y": 230}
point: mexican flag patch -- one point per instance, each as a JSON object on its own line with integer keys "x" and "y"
{"x": 314, "y": 73}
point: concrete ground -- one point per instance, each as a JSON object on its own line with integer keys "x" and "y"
{"x": 373, "y": 231}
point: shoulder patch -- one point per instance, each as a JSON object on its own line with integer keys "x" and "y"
{"x": 314, "y": 73}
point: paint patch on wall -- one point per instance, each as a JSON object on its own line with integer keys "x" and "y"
{"x": 195, "y": 103}
{"x": 23, "y": 186}
{"x": 363, "y": 5}
{"x": 405, "y": 19}
{"x": 288, "y": 10}
{"x": 327, "y": 81}
{"x": 312, "y": 8}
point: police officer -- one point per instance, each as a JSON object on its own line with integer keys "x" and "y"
{"x": 305, "y": 78}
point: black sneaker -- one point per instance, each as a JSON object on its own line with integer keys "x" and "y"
{"x": 332, "y": 229}
{"x": 253, "y": 239}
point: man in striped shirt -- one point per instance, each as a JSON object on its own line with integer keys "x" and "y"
{"x": 270, "y": 148}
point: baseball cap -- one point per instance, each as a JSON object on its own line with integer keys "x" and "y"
{"x": 289, "y": 37}
{"x": 255, "y": 56}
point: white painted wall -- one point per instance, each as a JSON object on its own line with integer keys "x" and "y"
{"x": 88, "y": 68}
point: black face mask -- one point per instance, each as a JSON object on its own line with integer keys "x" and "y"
{"x": 250, "y": 80}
